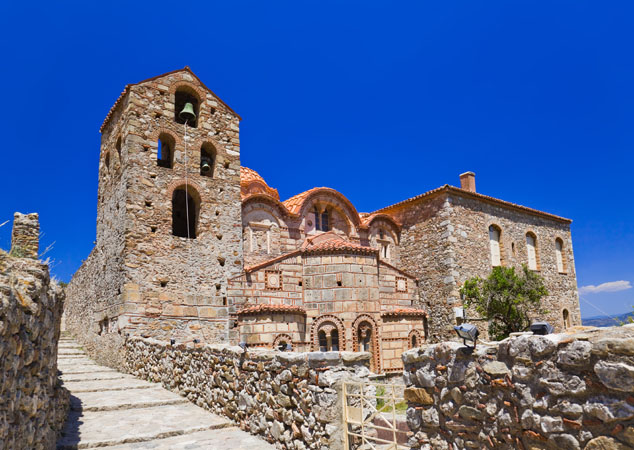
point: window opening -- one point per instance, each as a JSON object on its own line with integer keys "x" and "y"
{"x": 559, "y": 247}
{"x": 207, "y": 160}
{"x": 323, "y": 342}
{"x": 165, "y": 152}
{"x": 181, "y": 98}
{"x": 531, "y": 244}
{"x": 566, "y": 317}
{"x": 180, "y": 218}
{"x": 494, "y": 242}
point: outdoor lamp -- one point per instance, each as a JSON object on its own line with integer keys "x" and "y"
{"x": 467, "y": 332}
{"x": 172, "y": 341}
{"x": 542, "y": 328}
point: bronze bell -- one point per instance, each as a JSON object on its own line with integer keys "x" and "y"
{"x": 187, "y": 114}
{"x": 205, "y": 167}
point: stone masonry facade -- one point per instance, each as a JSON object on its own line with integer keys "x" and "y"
{"x": 569, "y": 391}
{"x": 33, "y": 403}
{"x": 192, "y": 246}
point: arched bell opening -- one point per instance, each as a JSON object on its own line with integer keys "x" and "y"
{"x": 185, "y": 207}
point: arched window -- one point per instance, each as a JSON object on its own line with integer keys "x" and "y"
{"x": 495, "y": 245}
{"x": 328, "y": 336}
{"x": 415, "y": 339}
{"x": 566, "y": 317}
{"x": 183, "y": 96}
{"x": 531, "y": 250}
{"x": 322, "y": 219}
{"x": 207, "y": 160}
{"x": 184, "y": 213}
{"x": 282, "y": 343}
{"x": 559, "y": 253}
{"x": 165, "y": 153}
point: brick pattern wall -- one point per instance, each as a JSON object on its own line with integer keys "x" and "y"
{"x": 343, "y": 289}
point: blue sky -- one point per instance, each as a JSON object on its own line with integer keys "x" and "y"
{"x": 380, "y": 100}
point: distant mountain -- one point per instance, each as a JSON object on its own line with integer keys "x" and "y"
{"x": 606, "y": 321}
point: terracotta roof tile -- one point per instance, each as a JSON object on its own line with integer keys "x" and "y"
{"x": 405, "y": 312}
{"x": 330, "y": 241}
{"x": 272, "y": 309}
{"x": 252, "y": 183}
{"x": 294, "y": 204}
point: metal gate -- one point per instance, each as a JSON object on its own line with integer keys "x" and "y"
{"x": 373, "y": 416}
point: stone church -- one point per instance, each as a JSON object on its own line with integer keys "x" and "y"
{"x": 192, "y": 246}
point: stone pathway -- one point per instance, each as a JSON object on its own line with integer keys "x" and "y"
{"x": 115, "y": 411}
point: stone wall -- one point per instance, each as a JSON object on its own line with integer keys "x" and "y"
{"x": 563, "y": 391}
{"x": 33, "y": 404}
{"x": 292, "y": 399}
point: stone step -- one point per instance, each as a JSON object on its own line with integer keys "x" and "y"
{"x": 226, "y": 438}
{"x": 83, "y": 368}
{"x": 71, "y": 351}
{"x": 74, "y": 360}
{"x": 89, "y": 376}
{"x": 116, "y": 384}
{"x": 88, "y": 429}
{"x": 124, "y": 399}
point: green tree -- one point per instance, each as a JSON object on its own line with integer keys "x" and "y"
{"x": 505, "y": 299}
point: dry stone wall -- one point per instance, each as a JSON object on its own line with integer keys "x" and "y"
{"x": 291, "y": 399}
{"x": 563, "y": 391}
{"x": 33, "y": 403}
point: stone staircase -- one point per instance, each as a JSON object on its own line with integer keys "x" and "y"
{"x": 113, "y": 410}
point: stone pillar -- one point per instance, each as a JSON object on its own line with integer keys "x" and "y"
{"x": 25, "y": 236}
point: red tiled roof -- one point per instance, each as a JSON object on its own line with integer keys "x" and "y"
{"x": 252, "y": 183}
{"x": 247, "y": 175}
{"x": 126, "y": 89}
{"x": 339, "y": 245}
{"x": 330, "y": 241}
{"x": 294, "y": 204}
{"x": 447, "y": 188}
{"x": 272, "y": 309}
{"x": 405, "y": 312}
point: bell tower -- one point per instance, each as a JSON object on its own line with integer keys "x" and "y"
{"x": 169, "y": 211}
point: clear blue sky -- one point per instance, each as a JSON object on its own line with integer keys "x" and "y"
{"x": 379, "y": 100}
